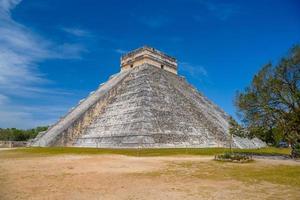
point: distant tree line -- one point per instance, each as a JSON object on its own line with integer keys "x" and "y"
{"x": 270, "y": 106}
{"x": 14, "y": 134}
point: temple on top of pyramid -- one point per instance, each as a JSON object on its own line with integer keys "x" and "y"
{"x": 149, "y": 55}
{"x": 145, "y": 105}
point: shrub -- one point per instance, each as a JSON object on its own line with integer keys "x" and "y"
{"x": 233, "y": 157}
{"x": 296, "y": 151}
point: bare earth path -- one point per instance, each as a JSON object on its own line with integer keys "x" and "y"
{"x": 123, "y": 177}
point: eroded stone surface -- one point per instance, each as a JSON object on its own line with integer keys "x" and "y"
{"x": 77, "y": 119}
{"x": 145, "y": 107}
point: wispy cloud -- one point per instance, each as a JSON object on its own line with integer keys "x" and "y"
{"x": 16, "y": 119}
{"x": 20, "y": 54}
{"x": 196, "y": 71}
{"x": 28, "y": 117}
{"x": 154, "y": 21}
{"x": 3, "y": 99}
{"x": 7, "y": 5}
{"x": 78, "y": 32}
{"x": 21, "y": 51}
{"x": 70, "y": 51}
{"x": 121, "y": 51}
{"x": 220, "y": 10}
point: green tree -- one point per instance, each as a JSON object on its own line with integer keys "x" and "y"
{"x": 235, "y": 129}
{"x": 272, "y": 100}
{"x": 13, "y": 134}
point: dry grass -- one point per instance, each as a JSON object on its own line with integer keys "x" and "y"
{"x": 247, "y": 172}
{"x": 29, "y": 152}
{"x": 34, "y": 173}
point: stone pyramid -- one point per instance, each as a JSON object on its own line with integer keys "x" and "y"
{"x": 145, "y": 105}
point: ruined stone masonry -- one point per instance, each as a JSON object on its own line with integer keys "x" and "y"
{"x": 145, "y": 105}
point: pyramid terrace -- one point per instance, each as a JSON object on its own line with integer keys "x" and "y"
{"x": 151, "y": 56}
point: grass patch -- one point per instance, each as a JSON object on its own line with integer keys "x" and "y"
{"x": 48, "y": 151}
{"x": 281, "y": 174}
{"x": 251, "y": 173}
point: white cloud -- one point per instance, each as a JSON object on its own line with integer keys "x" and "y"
{"x": 76, "y": 31}
{"x": 20, "y": 54}
{"x": 7, "y": 5}
{"x": 222, "y": 11}
{"x": 22, "y": 118}
{"x": 196, "y": 71}
{"x": 21, "y": 51}
{"x": 27, "y": 116}
{"x": 121, "y": 51}
{"x": 70, "y": 51}
{"x": 3, "y": 99}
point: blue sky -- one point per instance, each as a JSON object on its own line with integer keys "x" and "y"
{"x": 54, "y": 52}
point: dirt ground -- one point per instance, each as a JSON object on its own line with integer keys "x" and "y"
{"x": 123, "y": 177}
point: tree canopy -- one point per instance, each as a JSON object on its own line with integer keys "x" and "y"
{"x": 270, "y": 105}
{"x": 13, "y": 134}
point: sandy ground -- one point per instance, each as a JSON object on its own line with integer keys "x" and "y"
{"x": 122, "y": 177}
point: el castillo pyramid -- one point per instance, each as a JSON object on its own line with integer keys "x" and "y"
{"x": 145, "y": 105}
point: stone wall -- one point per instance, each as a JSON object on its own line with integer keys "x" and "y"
{"x": 69, "y": 136}
{"x": 77, "y": 119}
{"x": 155, "y": 108}
{"x": 144, "y": 107}
{"x": 11, "y": 144}
{"x": 150, "y": 61}
{"x": 151, "y": 56}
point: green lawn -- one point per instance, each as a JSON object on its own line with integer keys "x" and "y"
{"x": 136, "y": 152}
